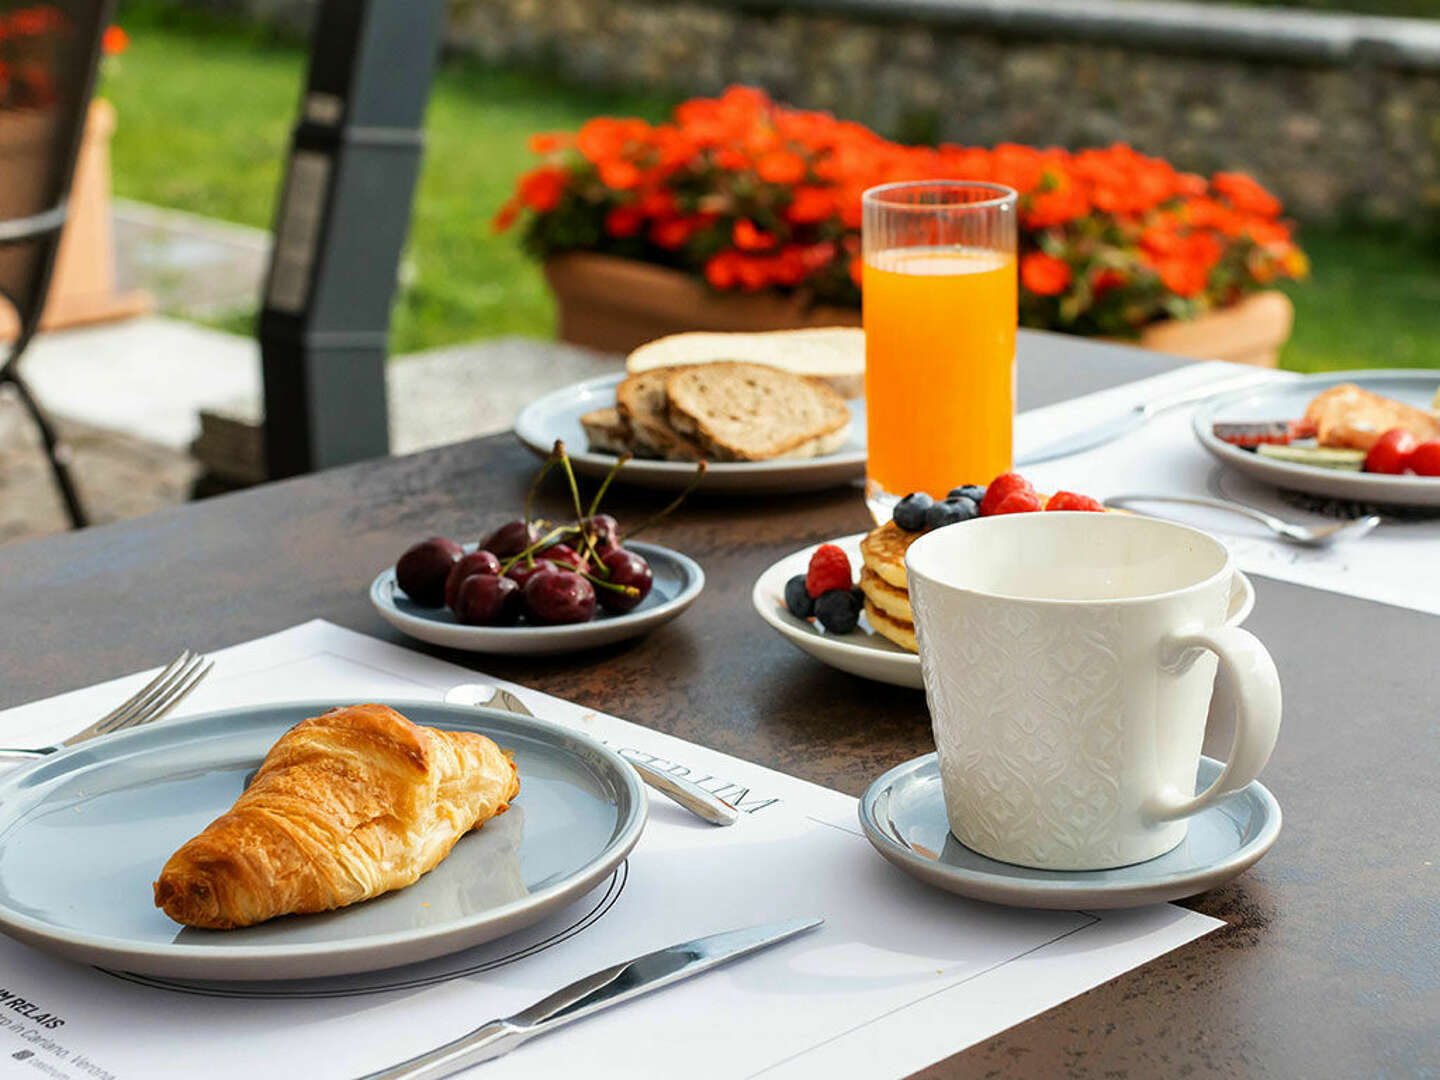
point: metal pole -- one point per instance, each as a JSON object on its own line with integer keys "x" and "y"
{"x": 339, "y": 230}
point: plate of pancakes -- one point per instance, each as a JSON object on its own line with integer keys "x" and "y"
{"x": 882, "y": 646}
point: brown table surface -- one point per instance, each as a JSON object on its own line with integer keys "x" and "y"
{"x": 1329, "y": 963}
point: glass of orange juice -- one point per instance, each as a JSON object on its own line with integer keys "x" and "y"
{"x": 940, "y": 308}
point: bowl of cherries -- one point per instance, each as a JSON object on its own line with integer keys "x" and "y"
{"x": 534, "y": 586}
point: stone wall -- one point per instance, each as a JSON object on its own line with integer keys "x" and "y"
{"x": 1337, "y": 114}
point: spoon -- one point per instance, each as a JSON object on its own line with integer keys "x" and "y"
{"x": 1306, "y": 536}
{"x": 703, "y": 804}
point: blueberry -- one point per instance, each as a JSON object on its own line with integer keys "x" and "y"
{"x": 858, "y": 595}
{"x": 837, "y": 612}
{"x": 911, "y": 510}
{"x": 973, "y": 492}
{"x": 797, "y": 599}
{"x": 950, "y": 511}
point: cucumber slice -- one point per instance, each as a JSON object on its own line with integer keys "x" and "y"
{"x": 1323, "y": 457}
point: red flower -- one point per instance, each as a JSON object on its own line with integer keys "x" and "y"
{"x": 810, "y": 205}
{"x": 619, "y": 174}
{"x": 541, "y": 189}
{"x": 115, "y": 41}
{"x": 548, "y": 142}
{"x": 1044, "y": 275}
{"x": 749, "y": 238}
{"x": 781, "y": 167}
{"x": 624, "y": 221}
{"x": 1245, "y": 194}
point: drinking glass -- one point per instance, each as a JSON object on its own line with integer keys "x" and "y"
{"x": 940, "y": 308}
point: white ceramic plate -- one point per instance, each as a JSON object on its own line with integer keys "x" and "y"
{"x": 862, "y": 651}
{"x": 1288, "y": 401}
{"x": 678, "y": 580}
{"x": 85, "y": 832}
{"x": 557, "y": 416}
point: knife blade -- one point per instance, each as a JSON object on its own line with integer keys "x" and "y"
{"x": 584, "y": 997}
{"x": 1126, "y": 422}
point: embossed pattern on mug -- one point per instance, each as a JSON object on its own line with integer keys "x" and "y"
{"x": 1008, "y": 784}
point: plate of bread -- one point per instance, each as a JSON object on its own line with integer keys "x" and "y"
{"x": 769, "y": 412}
{"x": 1322, "y": 434}
{"x": 301, "y": 840}
{"x": 882, "y": 645}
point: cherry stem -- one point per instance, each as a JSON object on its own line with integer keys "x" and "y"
{"x": 535, "y": 485}
{"x": 605, "y": 484}
{"x": 544, "y": 541}
{"x": 587, "y": 545}
{"x": 628, "y": 590}
{"x": 694, "y": 483}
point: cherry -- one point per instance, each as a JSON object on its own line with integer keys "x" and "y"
{"x": 487, "y": 600}
{"x": 1425, "y": 458}
{"x": 557, "y": 595}
{"x": 625, "y": 568}
{"x": 525, "y": 569}
{"x": 604, "y": 531}
{"x": 511, "y": 538}
{"x": 562, "y": 554}
{"x": 477, "y": 562}
{"x": 422, "y": 570}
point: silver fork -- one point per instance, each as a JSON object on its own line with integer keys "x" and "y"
{"x": 1304, "y": 535}
{"x": 150, "y": 702}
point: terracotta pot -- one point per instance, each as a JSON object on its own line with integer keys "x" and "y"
{"x": 1251, "y": 332}
{"x": 82, "y": 286}
{"x": 617, "y": 304}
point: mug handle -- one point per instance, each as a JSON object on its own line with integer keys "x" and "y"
{"x": 1257, "y": 714}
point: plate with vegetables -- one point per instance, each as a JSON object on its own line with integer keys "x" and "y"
{"x": 1365, "y": 436}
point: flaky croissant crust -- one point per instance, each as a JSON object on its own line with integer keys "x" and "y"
{"x": 347, "y": 805}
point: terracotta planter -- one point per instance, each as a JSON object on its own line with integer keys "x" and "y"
{"x": 82, "y": 286}
{"x": 1251, "y": 332}
{"x": 617, "y": 304}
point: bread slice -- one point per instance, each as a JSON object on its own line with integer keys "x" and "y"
{"x": 750, "y": 412}
{"x": 641, "y": 400}
{"x": 835, "y": 354}
{"x": 608, "y": 432}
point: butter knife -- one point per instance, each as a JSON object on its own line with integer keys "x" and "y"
{"x": 589, "y": 995}
{"x": 1131, "y": 419}
{"x": 705, "y": 805}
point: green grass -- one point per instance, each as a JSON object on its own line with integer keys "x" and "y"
{"x": 205, "y": 108}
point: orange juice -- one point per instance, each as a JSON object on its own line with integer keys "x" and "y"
{"x": 939, "y": 367}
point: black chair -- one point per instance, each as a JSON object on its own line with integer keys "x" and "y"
{"x": 49, "y": 52}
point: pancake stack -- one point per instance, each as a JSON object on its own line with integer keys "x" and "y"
{"x": 885, "y": 585}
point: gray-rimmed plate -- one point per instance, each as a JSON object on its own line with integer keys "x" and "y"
{"x": 557, "y": 416}
{"x": 1288, "y": 400}
{"x": 84, "y": 833}
{"x": 903, "y": 815}
{"x": 677, "y": 581}
{"x": 863, "y": 652}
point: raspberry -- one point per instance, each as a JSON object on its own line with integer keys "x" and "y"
{"x": 1068, "y": 500}
{"x": 1019, "y": 502}
{"x": 829, "y": 569}
{"x": 999, "y": 488}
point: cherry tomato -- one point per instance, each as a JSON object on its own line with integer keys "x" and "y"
{"x": 1391, "y": 453}
{"x": 1425, "y": 458}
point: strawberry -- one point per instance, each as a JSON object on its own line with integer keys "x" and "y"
{"x": 1001, "y": 487}
{"x": 1019, "y": 502}
{"x": 1068, "y": 500}
{"x": 829, "y": 569}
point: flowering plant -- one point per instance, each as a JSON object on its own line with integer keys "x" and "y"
{"x": 755, "y": 195}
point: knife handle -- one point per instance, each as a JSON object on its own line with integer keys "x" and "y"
{"x": 485, "y": 1043}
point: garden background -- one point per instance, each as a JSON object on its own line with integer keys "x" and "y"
{"x": 206, "y": 101}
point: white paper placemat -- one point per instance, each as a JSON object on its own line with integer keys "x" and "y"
{"x": 901, "y": 975}
{"x": 1394, "y": 564}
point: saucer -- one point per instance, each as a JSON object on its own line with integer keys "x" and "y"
{"x": 903, "y": 815}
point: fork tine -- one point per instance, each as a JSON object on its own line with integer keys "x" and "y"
{"x": 178, "y": 696}
{"x": 126, "y": 718}
{"x": 135, "y": 698}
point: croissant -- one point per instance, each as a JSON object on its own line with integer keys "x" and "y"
{"x": 347, "y": 805}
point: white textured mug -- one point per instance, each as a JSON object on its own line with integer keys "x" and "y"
{"x": 1069, "y": 660}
